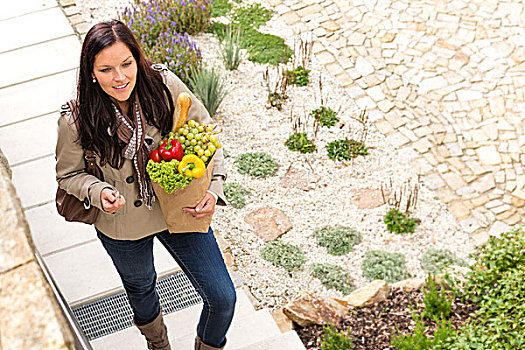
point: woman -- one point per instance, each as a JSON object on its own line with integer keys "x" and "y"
{"x": 124, "y": 106}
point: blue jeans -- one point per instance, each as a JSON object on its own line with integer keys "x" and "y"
{"x": 198, "y": 255}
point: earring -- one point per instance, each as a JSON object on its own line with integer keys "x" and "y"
{"x": 94, "y": 80}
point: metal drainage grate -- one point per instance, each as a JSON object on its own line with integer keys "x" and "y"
{"x": 112, "y": 314}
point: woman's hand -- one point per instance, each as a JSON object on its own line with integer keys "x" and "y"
{"x": 206, "y": 207}
{"x": 111, "y": 200}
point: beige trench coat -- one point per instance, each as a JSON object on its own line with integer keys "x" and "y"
{"x": 134, "y": 220}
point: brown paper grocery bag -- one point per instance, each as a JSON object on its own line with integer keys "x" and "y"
{"x": 171, "y": 204}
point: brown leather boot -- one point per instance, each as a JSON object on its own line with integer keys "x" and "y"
{"x": 156, "y": 334}
{"x": 199, "y": 345}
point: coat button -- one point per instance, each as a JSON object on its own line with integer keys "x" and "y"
{"x": 130, "y": 179}
{"x": 137, "y": 203}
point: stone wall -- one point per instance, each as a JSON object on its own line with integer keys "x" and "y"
{"x": 31, "y": 317}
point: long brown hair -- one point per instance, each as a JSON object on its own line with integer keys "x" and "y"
{"x": 96, "y": 120}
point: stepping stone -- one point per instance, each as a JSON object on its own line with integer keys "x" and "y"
{"x": 299, "y": 178}
{"x": 268, "y": 223}
{"x": 368, "y": 198}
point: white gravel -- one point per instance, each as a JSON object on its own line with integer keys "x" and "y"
{"x": 251, "y": 126}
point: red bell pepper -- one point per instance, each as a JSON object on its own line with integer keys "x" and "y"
{"x": 171, "y": 149}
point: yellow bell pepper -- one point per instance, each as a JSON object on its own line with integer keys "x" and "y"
{"x": 192, "y": 166}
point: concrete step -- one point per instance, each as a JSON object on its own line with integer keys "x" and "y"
{"x": 35, "y": 181}
{"x": 284, "y": 341}
{"x": 46, "y": 96}
{"x": 52, "y": 58}
{"x": 94, "y": 275}
{"x": 8, "y": 10}
{"x": 244, "y": 332}
{"x": 181, "y": 324}
{"x": 14, "y": 139}
{"x": 51, "y": 233}
{"x": 49, "y": 24}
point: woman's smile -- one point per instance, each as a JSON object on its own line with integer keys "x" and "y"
{"x": 121, "y": 87}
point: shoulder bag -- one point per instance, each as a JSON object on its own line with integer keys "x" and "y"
{"x": 69, "y": 206}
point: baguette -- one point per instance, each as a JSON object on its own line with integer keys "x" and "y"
{"x": 181, "y": 111}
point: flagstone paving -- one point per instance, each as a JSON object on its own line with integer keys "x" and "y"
{"x": 444, "y": 77}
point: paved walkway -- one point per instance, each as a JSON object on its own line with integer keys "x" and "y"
{"x": 444, "y": 77}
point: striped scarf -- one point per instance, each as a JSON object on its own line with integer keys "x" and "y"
{"x": 136, "y": 150}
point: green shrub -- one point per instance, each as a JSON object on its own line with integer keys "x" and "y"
{"x": 265, "y": 48}
{"x": 298, "y": 141}
{"x": 209, "y": 86}
{"x": 259, "y": 165}
{"x": 381, "y": 265}
{"x": 338, "y": 240}
{"x": 325, "y": 115}
{"x": 497, "y": 286}
{"x": 218, "y": 29}
{"x": 231, "y": 47}
{"x": 283, "y": 254}
{"x": 332, "y": 339}
{"x": 399, "y": 222}
{"x": 332, "y": 277}
{"x": 251, "y": 16}
{"x": 436, "y": 260}
{"x": 236, "y": 194}
{"x": 298, "y": 76}
{"x": 496, "y": 258}
{"x": 419, "y": 341}
{"x": 443, "y": 336}
{"x": 346, "y": 149}
{"x": 262, "y": 48}
{"x": 437, "y": 304}
{"x": 416, "y": 341}
{"x": 220, "y": 8}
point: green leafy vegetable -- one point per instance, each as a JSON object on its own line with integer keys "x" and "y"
{"x": 167, "y": 175}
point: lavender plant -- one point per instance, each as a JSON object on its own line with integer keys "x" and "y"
{"x": 178, "y": 52}
{"x": 156, "y": 16}
{"x": 158, "y": 25}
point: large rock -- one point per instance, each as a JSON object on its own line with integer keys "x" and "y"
{"x": 268, "y": 223}
{"x": 367, "y": 198}
{"x": 409, "y": 284}
{"x": 299, "y": 178}
{"x": 375, "y": 292}
{"x": 308, "y": 309}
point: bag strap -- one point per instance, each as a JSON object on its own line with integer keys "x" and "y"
{"x": 89, "y": 156}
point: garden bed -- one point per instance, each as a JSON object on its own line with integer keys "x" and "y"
{"x": 373, "y": 327}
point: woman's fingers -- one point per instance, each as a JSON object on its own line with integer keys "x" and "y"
{"x": 112, "y": 201}
{"x": 205, "y": 207}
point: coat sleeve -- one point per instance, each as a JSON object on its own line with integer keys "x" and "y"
{"x": 199, "y": 113}
{"x": 70, "y": 166}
